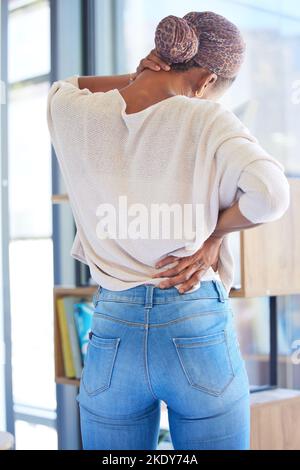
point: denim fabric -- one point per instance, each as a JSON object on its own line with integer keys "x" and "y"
{"x": 149, "y": 345}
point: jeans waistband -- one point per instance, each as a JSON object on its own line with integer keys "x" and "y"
{"x": 149, "y": 295}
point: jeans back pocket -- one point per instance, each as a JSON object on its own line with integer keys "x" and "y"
{"x": 206, "y": 362}
{"x": 99, "y": 364}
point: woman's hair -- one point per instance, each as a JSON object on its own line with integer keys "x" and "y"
{"x": 220, "y": 83}
{"x": 203, "y": 40}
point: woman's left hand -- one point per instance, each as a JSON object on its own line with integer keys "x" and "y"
{"x": 152, "y": 62}
{"x": 189, "y": 270}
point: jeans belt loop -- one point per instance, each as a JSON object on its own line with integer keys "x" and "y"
{"x": 149, "y": 295}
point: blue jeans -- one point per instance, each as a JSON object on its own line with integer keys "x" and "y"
{"x": 149, "y": 345}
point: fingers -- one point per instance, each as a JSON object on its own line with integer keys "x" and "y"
{"x": 158, "y": 61}
{"x": 194, "y": 280}
{"x": 180, "y": 266}
{"x": 147, "y": 64}
{"x": 152, "y": 62}
{"x": 172, "y": 271}
{"x": 180, "y": 278}
{"x": 167, "y": 260}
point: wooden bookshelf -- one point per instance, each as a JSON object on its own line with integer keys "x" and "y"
{"x": 80, "y": 292}
{"x": 270, "y": 254}
{"x": 275, "y": 420}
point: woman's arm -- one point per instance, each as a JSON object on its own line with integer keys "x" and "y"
{"x": 190, "y": 269}
{"x": 106, "y": 83}
{"x": 264, "y": 198}
{"x": 110, "y": 82}
{"x": 231, "y": 220}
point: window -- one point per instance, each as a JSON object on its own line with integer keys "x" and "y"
{"x": 31, "y": 265}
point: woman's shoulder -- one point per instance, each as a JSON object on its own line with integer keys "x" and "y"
{"x": 216, "y": 111}
{"x": 213, "y": 110}
{"x": 212, "y": 118}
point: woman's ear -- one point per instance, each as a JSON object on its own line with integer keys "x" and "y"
{"x": 211, "y": 79}
{"x": 207, "y": 80}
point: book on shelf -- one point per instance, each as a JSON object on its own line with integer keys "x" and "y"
{"x": 75, "y": 346}
{"x": 83, "y": 317}
{"x": 74, "y": 321}
{"x": 68, "y": 360}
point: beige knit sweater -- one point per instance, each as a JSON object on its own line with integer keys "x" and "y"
{"x": 178, "y": 151}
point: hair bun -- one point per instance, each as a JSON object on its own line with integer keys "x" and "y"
{"x": 175, "y": 40}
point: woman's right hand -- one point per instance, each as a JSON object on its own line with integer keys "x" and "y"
{"x": 152, "y": 62}
{"x": 189, "y": 270}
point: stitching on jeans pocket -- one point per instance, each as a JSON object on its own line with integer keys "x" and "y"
{"x": 99, "y": 364}
{"x": 206, "y": 362}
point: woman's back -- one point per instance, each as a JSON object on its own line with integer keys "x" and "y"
{"x": 149, "y": 184}
{"x": 155, "y": 177}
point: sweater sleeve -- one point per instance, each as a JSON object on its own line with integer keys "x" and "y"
{"x": 254, "y": 178}
{"x": 266, "y": 193}
{"x": 66, "y": 104}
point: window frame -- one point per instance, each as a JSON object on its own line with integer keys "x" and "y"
{"x": 19, "y": 411}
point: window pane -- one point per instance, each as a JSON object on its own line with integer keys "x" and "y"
{"x": 31, "y": 272}
{"x": 35, "y": 436}
{"x": 287, "y": 7}
{"x": 29, "y": 41}
{"x": 29, "y": 163}
{"x": 13, "y": 4}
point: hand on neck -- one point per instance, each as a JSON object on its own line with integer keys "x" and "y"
{"x": 164, "y": 84}
{"x": 151, "y": 87}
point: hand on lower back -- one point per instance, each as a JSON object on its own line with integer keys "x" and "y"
{"x": 189, "y": 270}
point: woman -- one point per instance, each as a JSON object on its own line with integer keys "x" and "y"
{"x": 163, "y": 325}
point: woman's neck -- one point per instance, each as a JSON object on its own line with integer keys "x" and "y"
{"x": 151, "y": 87}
